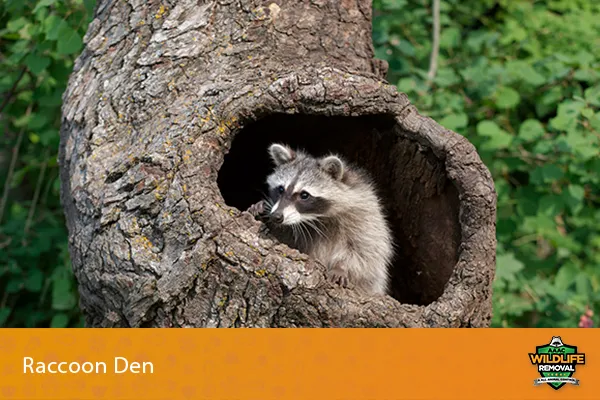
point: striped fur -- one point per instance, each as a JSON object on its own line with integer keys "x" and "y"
{"x": 329, "y": 210}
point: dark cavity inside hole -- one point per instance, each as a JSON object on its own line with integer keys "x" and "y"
{"x": 421, "y": 203}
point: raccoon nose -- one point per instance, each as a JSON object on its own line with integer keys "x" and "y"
{"x": 277, "y": 217}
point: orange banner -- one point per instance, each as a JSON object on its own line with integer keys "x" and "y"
{"x": 299, "y": 364}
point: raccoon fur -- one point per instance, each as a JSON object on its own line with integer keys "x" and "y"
{"x": 329, "y": 209}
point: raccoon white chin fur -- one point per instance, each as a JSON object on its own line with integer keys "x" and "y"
{"x": 329, "y": 210}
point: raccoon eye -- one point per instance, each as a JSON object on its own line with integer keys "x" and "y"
{"x": 304, "y": 195}
{"x": 280, "y": 189}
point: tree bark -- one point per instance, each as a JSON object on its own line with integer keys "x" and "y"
{"x": 166, "y": 122}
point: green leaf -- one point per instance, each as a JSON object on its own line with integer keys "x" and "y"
{"x": 544, "y": 224}
{"x": 455, "y": 122}
{"x": 531, "y": 130}
{"x": 37, "y": 121}
{"x": 587, "y": 113}
{"x": 584, "y": 58}
{"x": 592, "y": 95}
{"x": 544, "y": 147}
{"x": 551, "y": 205}
{"x": 508, "y": 266}
{"x": 586, "y": 75}
{"x": 15, "y": 25}
{"x": 406, "y": 85}
{"x": 25, "y": 96}
{"x": 552, "y": 97}
{"x": 507, "y": 97}
{"x": 583, "y": 145}
{"x": 37, "y": 63}
{"x": 568, "y": 112}
{"x": 34, "y": 138}
{"x": 60, "y": 320}
{"x": 497, "y": 142}
{"x": 574, "y": 197}
{"x": 513, "y": 304}
{"x": 446, "y": 77}
{"x": 565, "y": 277}
{"x": 406, "y": 48}
{"x": 583, "y": 287}
{"x": 488, "y": 128}
{"x": 63, "y": 298}
{"x": 557, "y": 70}
{"x": 595, "y": 122}
{"x": 70, "y": 42}
{"x": 497, "y": 137}
{"x": 22, "y": 121}
{"x": 34, "y": 281}
{"x": 449, "y": 37}
{"x": 551, "y": 173}
{"x": 19, "y": 50}
{"x": 546, "y": 174}
{"x": 513, "y": 32}
{"x": 53, "y": 26}
{"x": 531, "y": 76}
{"x": 43, "y": 3}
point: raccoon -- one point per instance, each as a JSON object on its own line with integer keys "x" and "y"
{"x": 329, "y": 209}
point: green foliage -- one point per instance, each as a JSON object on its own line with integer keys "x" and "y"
{"x": 38, "y": 43}
{"x": 521, "y": 80}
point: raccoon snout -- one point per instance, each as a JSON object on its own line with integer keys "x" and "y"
{"x": 277, "y": 217}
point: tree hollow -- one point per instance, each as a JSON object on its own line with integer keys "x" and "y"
{"x": 421, "y": 203}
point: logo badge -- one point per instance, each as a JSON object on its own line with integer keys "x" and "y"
{"x": 556, "y": 363}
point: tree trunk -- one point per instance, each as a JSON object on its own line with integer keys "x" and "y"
{"x": 166, "y": 123}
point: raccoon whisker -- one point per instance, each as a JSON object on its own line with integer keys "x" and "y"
{"x": 304, "y": 226}
{"x": 304, "y": 232}
{"x": 294, "y": 233}
{"x": 320, "y": 232}
{"x": 321, "y": 225}
{"x": 312, "y": 225}
{"x": 298, "y": 233}
{"x": 316, "y": 224}
{"x": 310, "y": 233}
{"x": 268, "y": 204}
{"x": 308, "y": 236}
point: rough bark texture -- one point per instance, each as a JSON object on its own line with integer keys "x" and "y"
{"x": 166, "y": 122}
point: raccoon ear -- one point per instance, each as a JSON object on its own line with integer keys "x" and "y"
{"x": 333, "y": 166}
{"x": 281, "y": 154}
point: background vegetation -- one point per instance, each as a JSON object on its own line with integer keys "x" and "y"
{"x": 520, "y": 79}
{"x": 38, "y": 43}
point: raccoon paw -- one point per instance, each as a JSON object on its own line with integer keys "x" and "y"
{"x": 339, "y": 277}
{"x": 257, "y": 209}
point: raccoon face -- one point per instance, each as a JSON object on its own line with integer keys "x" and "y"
{"x": 300, "y": 187}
